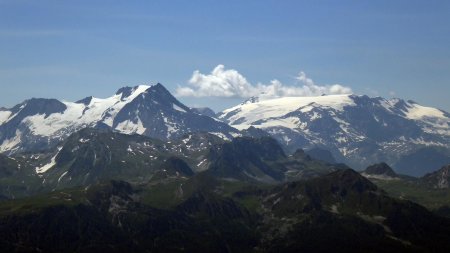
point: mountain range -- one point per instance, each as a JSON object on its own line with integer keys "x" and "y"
{"x": 358, "y": 130}
{"x": 93, "y": 183}
{"x": 354, "y": 129}
{"x": 339, "y": 212}
{"x": 37, "y": 124}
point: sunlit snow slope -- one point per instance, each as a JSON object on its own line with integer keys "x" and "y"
{"x": 358, "y": 129}
{"x": 147, "y": 110}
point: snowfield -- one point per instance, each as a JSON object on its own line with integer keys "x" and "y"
{"x": 270, "y": 113}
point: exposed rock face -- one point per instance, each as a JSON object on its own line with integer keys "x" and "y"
{"x": 439, "y": 179}
{"x": 358, "y": 130}
{"x": 38, "y": 124}
{"x": 380, "y": 169}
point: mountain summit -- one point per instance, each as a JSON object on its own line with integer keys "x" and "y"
{"x": 358, "y": 130}
{"x": 148, "y": 110}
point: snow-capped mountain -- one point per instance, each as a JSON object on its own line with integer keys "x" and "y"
{"x": 147, "y": 110}
{"x": 357, "y": 129}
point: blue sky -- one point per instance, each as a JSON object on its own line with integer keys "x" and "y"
{"x": 72, "y": 49}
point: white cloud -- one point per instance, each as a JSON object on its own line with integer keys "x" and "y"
{"x": 223, "y": 82}
{"x": 219, "y": 83}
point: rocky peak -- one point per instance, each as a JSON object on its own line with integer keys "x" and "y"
{"x": 36, "y": 106}
{"x": 204, "y": 111}
{"x": 439, "y": 179}
{"x": 321, "y": 154}
{"x": 380, "y": 169}
{"x": 85, "y": 101}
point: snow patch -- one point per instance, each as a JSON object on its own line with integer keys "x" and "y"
{"x": 419, "y": 112}
{"x": 432, "y": 120}
{"x": 4, "y": 116}
{"x": 78, "y": 116}
{"x": 244, "y": 115}
{"x": 48, "y": 166}
{"x": 201, "y": 162}
{"x": 12, "y": 143}
{"x": 286, "y": 139}
{"x": 220, "y": 135}
{"x": 129, "y": 127}
{"x": 171, "y": 127}
{"x": 176, "y": 107}
{"x": 379, "y": 177}
{"x": 63, "y": 174}
{"x": 82, "y": 140}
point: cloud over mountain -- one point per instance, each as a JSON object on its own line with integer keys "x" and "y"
{"x": 223, "y": 82}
